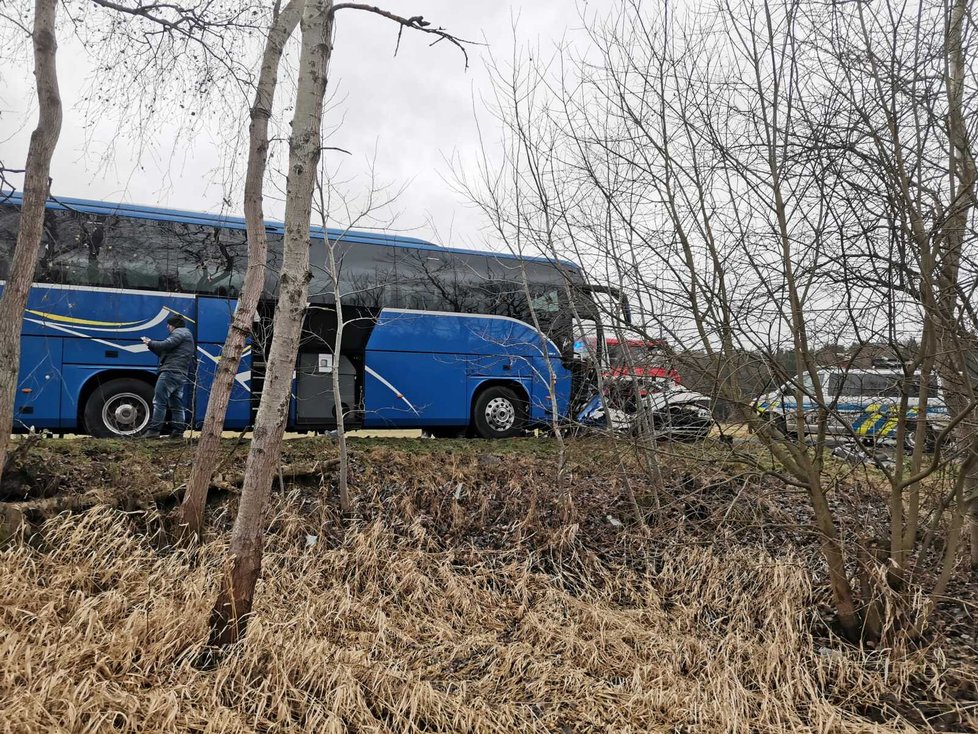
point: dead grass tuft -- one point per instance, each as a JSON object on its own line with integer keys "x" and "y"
{"x": 384, "y": 627}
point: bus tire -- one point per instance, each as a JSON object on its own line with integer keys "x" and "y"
{"x": 930, "y": 438}
{"x": 119, "y": 408}
{"x": 498, "y": 413}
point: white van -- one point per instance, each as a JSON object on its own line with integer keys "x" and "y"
{"x": 867, "y": 405}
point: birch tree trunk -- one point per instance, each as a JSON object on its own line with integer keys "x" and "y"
{"x": 234, "y": 603}
{"x": 205, "y": 459}
{"x": 36, "y": 186}
{"x": 344, "y": 473}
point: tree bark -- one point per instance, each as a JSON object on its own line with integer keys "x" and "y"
{"x": 343, "y": 480}
{"x": 205, "y": 459}
{"x": 973, "y": 513}
{"x": 234, "y": 602}
{"x": 834, "y": 555}
{"x": 957, "y": 342}
{"x": 36, "y": 186}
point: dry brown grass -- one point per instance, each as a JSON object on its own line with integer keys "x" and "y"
{"x": 385, "y": 628}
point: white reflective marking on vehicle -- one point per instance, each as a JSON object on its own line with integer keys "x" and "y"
{"x": 100, "y": 289}
{"x": 242, "y": 378}
{"x": 131, "y": 348}
{"x": 398, "y": 393}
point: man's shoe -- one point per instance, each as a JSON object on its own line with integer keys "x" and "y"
{"x": 151, "y": 434}
{"x": 173, "y": 435}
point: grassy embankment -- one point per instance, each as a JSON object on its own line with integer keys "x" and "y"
{"x": 453, "y": 601}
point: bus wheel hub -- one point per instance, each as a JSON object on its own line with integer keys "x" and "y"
{"x": 125, "y": 414}
{"x": 500, "y": 414}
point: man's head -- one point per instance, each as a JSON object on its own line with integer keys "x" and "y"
{"x": 175, "y": 322}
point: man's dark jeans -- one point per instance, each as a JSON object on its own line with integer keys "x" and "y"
{"x": 169, "y": 394}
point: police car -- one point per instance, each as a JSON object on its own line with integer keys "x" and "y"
{"x": 867, "y": 405}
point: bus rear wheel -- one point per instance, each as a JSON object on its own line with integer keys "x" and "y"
{"x": 119, "y": 408}
{"x": 498, "y": 413}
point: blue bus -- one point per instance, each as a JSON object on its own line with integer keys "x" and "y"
{"x": 434, "y": 338}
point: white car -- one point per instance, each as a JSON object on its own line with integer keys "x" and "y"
{"x": 667, "y": 409}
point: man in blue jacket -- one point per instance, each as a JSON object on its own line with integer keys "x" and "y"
{"x": 177, "y": 358}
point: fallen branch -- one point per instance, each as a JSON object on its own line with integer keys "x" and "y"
{"x": 42, "y": 509}
{"x": 296, "y": 471}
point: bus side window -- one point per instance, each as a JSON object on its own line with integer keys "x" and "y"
{"x": 503, "y": 293}
{"x": 204, "y": 258}
{"x": 73, "y": 248}
{"x": 273, "y": 264}
{"x": 474, "y": 289}
{"x": 136, "y": 254}
{"x": 368, "y": 277}
{"x": 321, "y": 285}
{"x": 426, "y": 280}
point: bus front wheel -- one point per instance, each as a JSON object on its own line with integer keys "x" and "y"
{"x": 119, "y": 408}
{"x": 499, "y": 413}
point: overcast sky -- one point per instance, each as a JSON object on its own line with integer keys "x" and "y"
{"x": 410, "y": 112}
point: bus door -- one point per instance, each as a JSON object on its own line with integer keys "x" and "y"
{"x": 315, "y": 404}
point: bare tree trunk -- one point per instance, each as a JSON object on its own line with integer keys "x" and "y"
{"x": 974, "y": 526}
{"x": 36, "y": 186}
{"x": 967, "y": 475}
{"x": 956, "y": 342}
{"x": 205, "y": 459}
{"x": 564, "y": 492}
{"x": 343, "y": 479}
{"x": 834, "y": 556}
{"x": 970, "y": 507}
{"x": 234, "y": 603}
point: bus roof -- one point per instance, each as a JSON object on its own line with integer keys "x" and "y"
{"x": 218, "y": 220}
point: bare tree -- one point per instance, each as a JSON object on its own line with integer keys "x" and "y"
{"x": 331, "y": 203}
{"x": 903, "y": 82}
{"x": 36, "y": 186}
{"x": 192, "y": 508}
{"x": 733, "y": 170}
{"x": 161, "y": 36}
{"x": 235, "y": 599}
{"x": 205, "y": 458}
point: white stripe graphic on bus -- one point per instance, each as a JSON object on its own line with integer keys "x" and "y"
{"x": 101, "y": 289}
{"x": 393, "y": 389}
{"x": 49, "y": 319}
{"x": 242, "y": 378}
{"x": 131, "y": 348}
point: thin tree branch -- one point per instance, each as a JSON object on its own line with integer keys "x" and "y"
{"x": 415, "y": 22}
